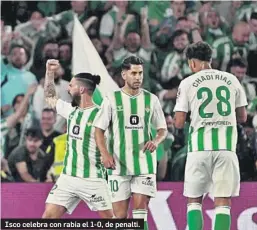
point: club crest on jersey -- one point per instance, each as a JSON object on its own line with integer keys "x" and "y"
{"x": 76, "y": 129}
{"x": 119, "y": 108}
{"x": 147, "y": 109}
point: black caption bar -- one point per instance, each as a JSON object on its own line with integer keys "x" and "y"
{"x": 72, "y": 224}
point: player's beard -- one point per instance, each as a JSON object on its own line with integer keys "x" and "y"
{"x": 134, "y": 86}
{"x": 75, "y": 100}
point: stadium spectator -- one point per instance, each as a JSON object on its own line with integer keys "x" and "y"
{"x": 27, "y": 162}
{"x": 65, "y": 56}
{"x": 133, "y": 44}
{"x": 14, "y": 78}
{"x": 46, "y": 49}
{"x": 38, "y": 26}
{"x": 61, "y": 88}
{"x": 226, "y": 48}
{"x": 238, "y": 67}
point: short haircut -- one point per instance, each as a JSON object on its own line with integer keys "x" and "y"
{"x": 65, "y": 42}
{"x": 48, "y": 110}
{"x": 88, "y": 80}
{"x": 237, "y": 62}
{"x": 50, "y": 41}
{"x": 178, "y": 33}
{"x": 199, "y": 50}
{"x": 14, "y": 46}
{"x": 131, "y": 60}
{"x": 14, "y": 101}
{"x": 34, "y": 133}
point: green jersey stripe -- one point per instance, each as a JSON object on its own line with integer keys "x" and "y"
{"x": 86, "y": 141}
{"x": 229, "y": 132}
{"x": 147, "y": 137}
{"x": 215, "y": 139}
{"x": 74, "y": 147}
{"x": 135, "y": 140}
{"x": 190, "y": 147}
{"x": 120, "y": 115}
{"x": 200, "y": 139}
{"x": 67, "y": 143}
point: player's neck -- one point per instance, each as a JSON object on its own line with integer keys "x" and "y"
{"x": 86, "y": 102}
{"x": 130, "y": 91}
{"x": 206, "y": 65}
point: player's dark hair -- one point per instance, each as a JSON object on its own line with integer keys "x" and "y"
{"x": 34, "y": 133}
{"x": 14, "y": 101}
{"x": 199, "y": 50}
{"x": 88, "y": 80}
{"x": 131, "y": 60}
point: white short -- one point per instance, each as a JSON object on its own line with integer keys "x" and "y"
{"x": 122, "y": 187}
{"x": 216, "y": 172}
{"x": 69, "y": 191}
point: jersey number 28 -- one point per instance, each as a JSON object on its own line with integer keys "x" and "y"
{"x": 220, "y": 105}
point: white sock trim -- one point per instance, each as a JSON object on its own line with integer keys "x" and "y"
{"x": 140, "y": 214}
{"x": 194, "y": 206}
{"x": 222, "y": 210}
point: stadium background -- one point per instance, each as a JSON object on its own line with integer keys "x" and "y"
{"x": 156, "y": 31}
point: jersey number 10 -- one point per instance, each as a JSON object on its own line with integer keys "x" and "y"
{"x": 222, "y": 100}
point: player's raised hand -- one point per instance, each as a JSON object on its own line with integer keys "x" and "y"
{"x": 108, "y": 161}
{"x": 52, "y": 65}
{"x": 150, "y": 145}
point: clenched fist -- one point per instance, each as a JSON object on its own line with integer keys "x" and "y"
{"x": 52, "y": 65}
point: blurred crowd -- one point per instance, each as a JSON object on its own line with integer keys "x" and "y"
{"x": 33, "y": 137}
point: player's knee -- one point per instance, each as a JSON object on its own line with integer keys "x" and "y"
{"x": 222, "y": 201}
{"x": 52, "y": 212}
{"x": 140, "y": 201}
{"x": 106, "y": 214}
{"x": 120, "y": 214}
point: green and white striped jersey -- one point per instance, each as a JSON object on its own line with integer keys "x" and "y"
{"x": 129, "y": 120}
{"x": 223, "y": 50}
{"x": 212, "y": 96}
{"x": 82, "y": 158}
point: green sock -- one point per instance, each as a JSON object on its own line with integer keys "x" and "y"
{"x": 223, "y": 219}
{"x": 141, "y": 214}
{"x": 194, "y": 216}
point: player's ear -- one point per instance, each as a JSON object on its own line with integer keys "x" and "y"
{"x": 123, "y": 74}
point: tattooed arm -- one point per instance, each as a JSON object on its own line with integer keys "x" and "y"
{"x": 49, "y": 87}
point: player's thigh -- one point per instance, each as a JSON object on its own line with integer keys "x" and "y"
{"x": 226, "y": 174}
{"x": 120, "y": 188}
{"x": 144, "y": 185}
{"x": 95, "y": 192}
{"x": 198, "y": 173}
{"x": 63, "y": 193}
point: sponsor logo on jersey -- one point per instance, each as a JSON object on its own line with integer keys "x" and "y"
{"x": 75, "y": 129}
{"x": 134, "y": 123}
{"x": 96, "y": 199}
{"x": 134, "y": 120}
{"x": 148, "y": 181}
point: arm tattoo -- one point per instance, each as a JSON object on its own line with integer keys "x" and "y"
{"x": 49, "y": 89}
